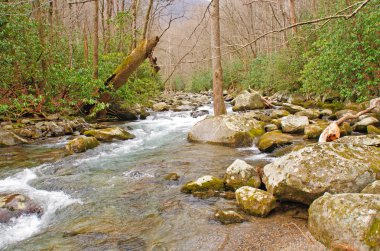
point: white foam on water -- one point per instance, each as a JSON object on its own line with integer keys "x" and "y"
{"x": 28, "y": 225}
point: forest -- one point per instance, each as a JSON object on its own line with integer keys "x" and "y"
{"x": 189, "y": 124}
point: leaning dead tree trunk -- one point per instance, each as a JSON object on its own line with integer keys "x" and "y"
{"x": 122, "y": 73}
{"x": 332, "y": 132}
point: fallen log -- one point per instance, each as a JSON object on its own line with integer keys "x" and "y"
{"x": 122, "y": 73}
{"x": 332, "y": 132}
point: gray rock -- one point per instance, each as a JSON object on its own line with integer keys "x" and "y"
{"x": 270, "y": 127}
{"x": 228, "y": 217}
{"x": 296, "y": 99}
{"x": 248, "y": 101}
{"x": 159, "y": 107}
{"x": 361, "y": 126}
{"x": 271, "y": 140}
{"x": 362, "y": 140}
{"x": 81, "y": 144}
{"x": 240, "y": 174}
{"x": 110, "y": 134}
{"x": 231, "y": 130}
{"x": 304, "y": 175}
{"x": 346, "y": 221}
{"x": 200, "y": 113}
{"x": 10, "y": 139}
{"x": 275, "y": 114}
{"x": 294, "y": 124}
{"x": 15, "y": 205}
{"x": 310, "y": 113}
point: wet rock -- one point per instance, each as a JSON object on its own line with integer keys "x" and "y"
{"x": 313, "y": 131}
{"x": 200, "y": 113}
{"x": 53, "y": 117}
{"x": 260, "y": 115}
{"x": 361, "y": 126}
{"x": 55, "y": 130}
{"x": 182, "y": 108}
{"x": 373, "y": 188}
{"x": 310, "y": 113}
{"x": 240, "y": 174}
{"x": 228, "y": 217}
{"x": 159, "y": 107}
{"x": 373, "y": 130}
{"x": 292, "y": 108}
{"x": 294, "y": 124}
{"x": 10, "y": 139}
{"x": 270, "y": 127}
{"x": 345, "y": 129}
{"x": 275, "y": 114}
{"x": 15, "y": 205}
{"x": 346, "y": 221}
{"x": 110, "y": 134}
{"x": 362, "y": 140}
{"x": 32, "y": 133}
{"x": 231, "y": 130}
{"x": 144, "y": 114}
{"x": 304, "y": 175}
{"x": 228, "y": 195}
{"x": 81, "y": 144}
{"x": 331, "y": 97}
{"x": 255, "y": 201}
{"x": 172, "y": 177}
{"x": 271, "y": 140}
{"x": 203, "y": 184}
{"x": 248, "y": 101}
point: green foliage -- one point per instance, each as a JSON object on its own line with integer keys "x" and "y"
{"x": 346, "y": 57}
{"x": 201, "y": 81}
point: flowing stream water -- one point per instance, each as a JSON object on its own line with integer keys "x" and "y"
{"x": 116, "y": 197}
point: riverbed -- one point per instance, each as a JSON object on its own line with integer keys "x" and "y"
{"x": 116, "y": 197}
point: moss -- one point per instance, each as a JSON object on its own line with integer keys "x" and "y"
{"x": 269, "y": 141}
{"x": 373, "y": 130}
{"x": 172, "y": 176}
{"x": 81, "y": 144}
{"x": 228, "y": 217}
{"x": 332, "y": 106}
{"x": 372, "y": 238}
{"x": 203, "y": 184}
{"x": 109, "y": 134}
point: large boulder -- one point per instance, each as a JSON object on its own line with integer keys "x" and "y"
{"x": 240, "y": 174}
{"x": 347, "y": 221}
{"x": 159, "y": 107}
{"x": 294, "y": 124}
{"x": 271, "y": 140}
{"x": 110, "y": 134}
{"x": 15, "y": 205}
{"x": 255, "y": 201}
{"x": 373, "y": 188}
{"x": 275, "y": 114}
{"x": 310, "y": 113}
{"x": 248, "y": 101}
{"x": 230, "y": 130}
{"x": 362, "y": 140}
{"x": 296, "y": 99}
{"x": 10, "y": 139}
{"x": 304, "y": 175}
{"x": 81, "y": 144}
{"x": 203, "y": 184}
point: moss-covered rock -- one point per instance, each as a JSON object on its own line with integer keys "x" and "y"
{"x": 294, "y": 124}
{"x": 230, "y": 130}
{"x": 313, "y": 131}
{"x": 306, "y": 174}
{"x": 172, "y": 177}
{"x": 373, "y": 130}
{"x": 361, "y": 126}
{"x": 275, "y": 114}
{"x": 255, "y": 201}
{"x": 346, "y": 221}
{"x": 362, "y": 140}
{"x": 248, "y": 101}
{"x": 203, "y": 184}
{"x": 81, "y": 144}
{"x": 159, "y": 107}
{"x": 373, "y": 188}
{"x": 292, "y": 108}
{"x": 310, "y": 113}
{"x": 228, "y": 217}
{"x": 240, "y": 174}
{"x": 345, "y": 129}
{"x": 271, "y": 140}
{"x": 110, "y": 134}
{"x": 270, "y": 127}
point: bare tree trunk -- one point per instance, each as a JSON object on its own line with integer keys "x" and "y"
{"x": 219, "y": 107}
{"x": 135, "y": 7}
{"x": 85, "y": 42}
{"x": 293, "y": 17}
{"x": 147, "y": 17}
{"x": 41, "y": 33}
{"x": 108, "y": 26}
{"x": 96, "y": 41}
{"x": 71, "y": 49}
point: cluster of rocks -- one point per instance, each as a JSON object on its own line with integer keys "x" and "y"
{"x": 338, "y": 180}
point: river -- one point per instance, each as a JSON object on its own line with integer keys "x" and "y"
{"x": 116, "y": 197}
